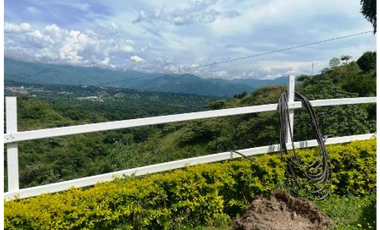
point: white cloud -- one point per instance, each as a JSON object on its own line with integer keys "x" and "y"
{"x": 56, "y": 45}
{"x": 53, "y": 30}
{"x": 16, "y": 28}
{"x": 106, "y": 61}
{"x": 37, "y": 37}
{"x": 127, "y": 48}
{"x": 322, "y": 16}
{"x": 136, "y": 59}
{"x": 193, "y": 12}
{"x": 75, "y": 42}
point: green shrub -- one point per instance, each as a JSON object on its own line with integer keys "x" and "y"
{"x": 367, "y": 61}
{"x": 353, "y": 167}
{"x": 199, "y": 132}
{"x": 207, "y": 194}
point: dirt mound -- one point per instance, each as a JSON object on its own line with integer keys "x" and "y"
{"x": 282, "y": 212}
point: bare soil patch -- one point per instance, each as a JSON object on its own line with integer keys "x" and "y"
{"x": 282, "y": 212}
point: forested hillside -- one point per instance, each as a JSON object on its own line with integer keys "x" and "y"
{"x": 188, "y": 83}
{"x": 44, "y": 106}
{"x": 58, "y": 159}
{"x": 84, "y": 104}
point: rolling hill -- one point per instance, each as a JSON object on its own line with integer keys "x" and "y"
{"x": 188, "y": 83}
{"x": 27, "y": 72}
{"x": 62, "y": 74}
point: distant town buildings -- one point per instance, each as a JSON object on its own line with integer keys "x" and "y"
{"x": 20, "y": 90}
{"x": 33, "y": 91}
{"x": 91, "y": 98}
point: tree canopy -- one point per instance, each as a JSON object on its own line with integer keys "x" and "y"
{"x": 345, "y": 58}
{"x": 369, "y": 11}
{"x": 367, "y": 61}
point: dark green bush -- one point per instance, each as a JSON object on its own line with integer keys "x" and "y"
{"x": 367, "y": 61}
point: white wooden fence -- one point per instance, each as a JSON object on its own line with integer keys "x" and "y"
{"x": 12, "y": 137}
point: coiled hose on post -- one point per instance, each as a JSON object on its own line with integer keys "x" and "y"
{"x": 318, "y": 173}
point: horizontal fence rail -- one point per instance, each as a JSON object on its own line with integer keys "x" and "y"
{"x": 12, "y": 137}
{"x": 88, "y": 181}
{"x": 113, "y": 125}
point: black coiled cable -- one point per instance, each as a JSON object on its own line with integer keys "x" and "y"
{"x": 318, "y": 173}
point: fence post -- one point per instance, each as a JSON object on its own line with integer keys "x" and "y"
{"x": 291, "y": 89}
{"x": 12, "y": 148}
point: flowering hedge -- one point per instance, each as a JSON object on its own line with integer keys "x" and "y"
{"x": 203, "y": 194}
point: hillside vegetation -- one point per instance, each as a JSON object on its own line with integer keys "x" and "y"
{"x": 58, "y": 159}
{"x": 46, "y": 106}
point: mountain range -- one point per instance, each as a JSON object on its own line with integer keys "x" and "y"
{"x": 28, "y": 72}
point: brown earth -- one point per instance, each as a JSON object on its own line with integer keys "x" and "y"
{"x": 282, "y": 212}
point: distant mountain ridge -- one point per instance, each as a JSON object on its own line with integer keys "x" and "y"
{"x": 74, "y": 75}
{"x": 188, "y": 83}
{"x": 63, "y": 74}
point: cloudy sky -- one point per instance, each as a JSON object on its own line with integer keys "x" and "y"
{"x": 170, "y": 36}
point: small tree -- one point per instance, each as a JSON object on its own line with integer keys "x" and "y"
{"x": 345, "y": 58}
{"x": 367, "y": 61}
{"x": 334, "y": 62}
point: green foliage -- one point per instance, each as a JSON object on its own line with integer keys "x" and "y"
{"x": 208, "y": 194}
{"x": 191, "y": 84}
{"x": 335, "y": 120}
{"x": 250, "y": 133}
{"x": 367, "y": 61}
{"x": 353, "y": 167}
{"x": 72, "y": 103}
{"x": 339, "y": 82}
{"x": 202, "y": 194}
{"x": 220, "y": 104}
{"x": 197, "y": 132}
{"x": 56, "y": 159}
{"x": 240, "y": 96}
{"x": 351, "y": 212}
{"x": 364, "y": 87}
{"x": 264, "y": 95}
{"x": 345, "y": 58}
{"x": 369, "y": 11}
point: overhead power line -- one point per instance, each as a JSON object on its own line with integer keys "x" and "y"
{"x": 249, "y": 56}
